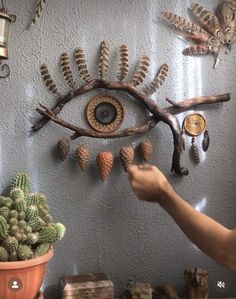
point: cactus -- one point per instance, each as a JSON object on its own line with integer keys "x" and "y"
{"x": 3, "y": 254}
{"x": 41, "y": 249}
{"x": 21, "y": 181}
{"x": 3, "y": 228}
{"x": 26, "y": 228}
{"x": 10, "y": 244}
{"x": 52, "y": 233}
{"x": 24, "y": 252}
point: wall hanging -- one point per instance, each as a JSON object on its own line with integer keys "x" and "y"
{"x": 211, "y": 30}
{"x": 105, "y": 113}
{"x": 194, "y": 125}
{"x": 38, "y": 12}
{"x": 5, "y": 21}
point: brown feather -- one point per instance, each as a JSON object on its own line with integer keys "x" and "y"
{"x": 123, "y": 63}
{"x": 66, "y": 70}
{"x": 196, "y": 50}
{"x": 104, "y": 60}
{"x": 181, "y": 23}
{"x": 81, "y": 64}
{"x": 159, "y": 79}
{"x": 39, "y": 10}
{"x": 142, "y": 71}
{"x": 50, "y": 84}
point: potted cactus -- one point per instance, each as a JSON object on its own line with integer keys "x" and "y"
{"x": 26, "y": 237}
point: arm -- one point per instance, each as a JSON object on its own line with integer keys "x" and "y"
{"x": 211, "y": 237}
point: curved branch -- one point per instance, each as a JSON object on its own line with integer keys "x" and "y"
{"x": 80, "y": 132}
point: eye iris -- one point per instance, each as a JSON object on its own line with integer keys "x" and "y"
{"x": 105, "y": 113}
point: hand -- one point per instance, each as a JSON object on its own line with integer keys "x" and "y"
{"x": 148, "y": 183}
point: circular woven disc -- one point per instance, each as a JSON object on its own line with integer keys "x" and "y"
{"x": 194, "y": 124}
{"x": 104, "y": 113}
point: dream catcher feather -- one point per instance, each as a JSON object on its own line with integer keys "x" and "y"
{"x": 105, "y": 113}
{"x": 212, "y": 31}
{"x": 38, "y": 12}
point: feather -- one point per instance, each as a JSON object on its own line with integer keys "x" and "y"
{"x": 195, "y": 37}
{"x": 81, "y": 64}
{"x": 225, "y": 15}
{"x": 66, "y": 70}
{"x": 159, "y": 79}
{"x": 206, "y": 141}
{"x": 142, "y": 71}
{"x": 181, "y": 23}
{"x": 38, "y": 12}
{"x": 196, "y": 50}
{"x": 50, "y": 84}
{"x": 231, "y": 4}
{"x": 104, "y": 60}
{"x": 123, "y": 63}
{"x": 207, "y": 19}
{"x": 195, "y": 151}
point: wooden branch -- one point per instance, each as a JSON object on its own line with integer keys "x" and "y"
{"x": 80, "y": 132}
{"x": 166, "y": 115}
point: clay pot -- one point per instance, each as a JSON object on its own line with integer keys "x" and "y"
{"x": 22, "y": 280}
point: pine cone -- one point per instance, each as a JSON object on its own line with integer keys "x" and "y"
{"x": 127, "y": 157}
{"x": 63, "y": 147}
{"x": 146, "y": 149}
{"x": 82, "y": 157}
{"x": 104, "y": 163}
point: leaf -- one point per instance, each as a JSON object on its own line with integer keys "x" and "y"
{"x": 104, "y": 59}
{"x": 50, "y": 84}
{"x": 66, "y": 70}
{"x": 81, "y": 64}
{"x": 159, "y": 79}
{"x": 123, "y": 62}
{"x": 142, "y": 71}
{"x": 181, "y": 23}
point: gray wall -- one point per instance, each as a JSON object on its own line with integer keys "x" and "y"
{"x": 108, "y": 229}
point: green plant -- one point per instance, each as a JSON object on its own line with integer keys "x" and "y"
{"x": 26, "y": 228}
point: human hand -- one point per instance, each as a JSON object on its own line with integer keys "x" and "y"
{"x": 148, "y": 183}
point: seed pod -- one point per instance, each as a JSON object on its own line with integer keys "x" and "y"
{"x": 206, "y": 141}
{"x": 104, "y": 163}
{"x": 63, "y": 147}
{"x": 127, "y": 157}
{"x": 146, "y": 149}
{"x": 82, "y": 157}
{"x": 195, "y": 151}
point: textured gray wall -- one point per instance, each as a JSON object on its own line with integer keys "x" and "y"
{"x": 108, "y": 229}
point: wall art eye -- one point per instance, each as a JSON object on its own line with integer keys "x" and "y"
{"x": 105, "y": 113}
{"x": 211, "y": 30}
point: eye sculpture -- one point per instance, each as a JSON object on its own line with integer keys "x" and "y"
{"x": 105, "y": 113}
{"x": 211, "y": 32}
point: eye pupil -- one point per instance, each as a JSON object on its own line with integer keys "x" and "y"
{"x": 105, "y": 113}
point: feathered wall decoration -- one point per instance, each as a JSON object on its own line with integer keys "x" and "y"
{"x": 212, "y": 31}
{"x": 38, "y": 12}
{"x": 105, "y": 111}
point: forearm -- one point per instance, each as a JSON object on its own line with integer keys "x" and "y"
{"x": 210, "y": 236}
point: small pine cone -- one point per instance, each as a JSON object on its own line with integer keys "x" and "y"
{"x": 104, "y": 163}
{"x": 146, "y": 149}
{"x": 63, "y": 147}
{"x": 82, "y": 157}
{"x": 127, "y": 157}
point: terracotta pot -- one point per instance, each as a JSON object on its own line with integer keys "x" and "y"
{"x": 22, "y": 280}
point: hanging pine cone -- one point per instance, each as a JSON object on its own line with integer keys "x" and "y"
{"x": 146, "y": 149}
{"x": 104, "y": 163}
{"x": 82, "y": 157}
{"x": 195, "y": 151}
{"x": 127, "y": 157}
{"x": 63, "y": 147}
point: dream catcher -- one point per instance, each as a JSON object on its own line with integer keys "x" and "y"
{"x": 194, "y": 125}
{"x": 211, "y": 30}
{"x": 105, "y": 113}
